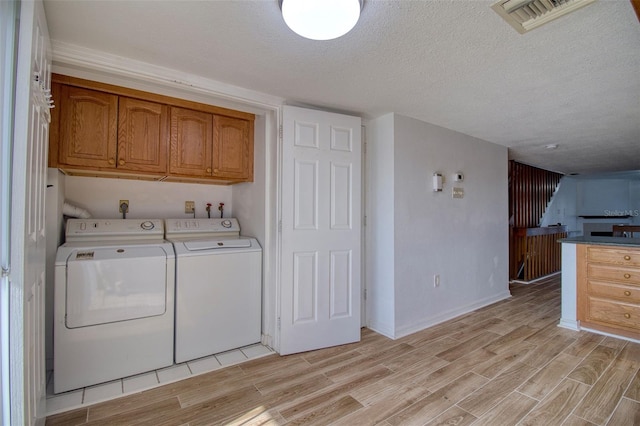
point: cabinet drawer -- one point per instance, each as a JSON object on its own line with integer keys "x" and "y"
{"x": 624, "y": 293}
{"x": 613, "y": 313}
{"x": 621, "y": 257}
{"x": 629, "y": 276}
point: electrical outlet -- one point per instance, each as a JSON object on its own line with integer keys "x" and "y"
{"x": 189, "y": 206}
{"x": 125, "y": 204}
{"x": 436, "y": 280}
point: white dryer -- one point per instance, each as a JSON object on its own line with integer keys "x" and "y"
{"x": 114, "y": 301}
{"x": 218, "y": 287}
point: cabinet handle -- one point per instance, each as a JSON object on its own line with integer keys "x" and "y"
{"x": 208, "y": 169}
{"x": 122, "y": 162}
{"x": 627, "y": 316}
{"x": 112, "y": 161}
{"x": 627, "y": 276}
{"x": 215, "y": 170}
{"x": 627, "y": 293}
{"x": 627, "y": 257}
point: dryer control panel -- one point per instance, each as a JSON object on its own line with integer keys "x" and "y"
{"x": 112, "y": 229}
{"x": 180, "y": 228}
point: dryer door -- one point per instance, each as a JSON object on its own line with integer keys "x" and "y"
{"x": 112, "y": 284}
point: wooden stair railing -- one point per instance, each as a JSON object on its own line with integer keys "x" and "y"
{"x": 537, "y": 251}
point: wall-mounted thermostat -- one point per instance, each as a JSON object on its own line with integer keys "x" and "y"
{"x": 458, "y": 177}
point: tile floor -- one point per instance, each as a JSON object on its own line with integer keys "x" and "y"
{"x": 128, "y": 385}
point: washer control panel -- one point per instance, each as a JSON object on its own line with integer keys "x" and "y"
{"x": 202, "y": 227}
{"x": 106, "y": 229}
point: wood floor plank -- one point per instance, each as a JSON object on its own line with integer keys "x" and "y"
{"x": 345, "y": 371}
{"x": 573, "y": 420}
{"x": 438, "y": 402}
{"x": 418, "y": 355}
{"x": 476, "y": 342}
{"x": 503, "y": 343}
{"x": 630, "y": 354}
{"x": 494, "y": 391}
{"x": 384, "y": 404}
{"x": 494, "y": 366}
{"x": 541, "y": 383}
{"x": 592, "y": 367}
{"x": 259, "y": 416}
{"x": 558, "y": 405}
{"x": 437, "y": 379}
{"x": 327, "y": 414}
{"x": 69, "y": 418}
{"x": 292, "y": 409}
{"x": 148, "y": 414}
{"x": 453, "y": 416}
{"x": 627, "y": 413}
{"x": 633, "y": 391}
{"x": 585, "y": 344}
{"x": 509, "y": 411}
{"x": 547, "y": 351}
{"x": 605, "y": 394}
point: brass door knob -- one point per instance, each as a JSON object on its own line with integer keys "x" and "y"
{"x": 122, "y": 162}
{"x": 112, "y": 161}
{"x": 627, "y": 293}
{"x": 627, "y": 276}
{"x": 627, "y": 257}
{"x": 627, "y": 316}
{"x": 208, "y": 169}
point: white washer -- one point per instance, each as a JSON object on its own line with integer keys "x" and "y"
{"x": 114, "y": 301}
{"x": 218, "y": 287}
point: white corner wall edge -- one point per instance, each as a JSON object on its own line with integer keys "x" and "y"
{"x": 66, "y": 54}
{"x": 568, "y": 295}
{"x": 383, "y": 329}
{"x": 448, "y": 315}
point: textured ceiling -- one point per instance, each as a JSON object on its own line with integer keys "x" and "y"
{"x": 574, "y": 82}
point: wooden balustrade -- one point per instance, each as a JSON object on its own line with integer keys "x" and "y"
{"x": 537, "y": 252}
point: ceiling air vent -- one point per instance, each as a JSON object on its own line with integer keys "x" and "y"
{"x": 525, "y": 15}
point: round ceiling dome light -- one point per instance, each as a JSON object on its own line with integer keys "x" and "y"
{"x": 321, "y": 19}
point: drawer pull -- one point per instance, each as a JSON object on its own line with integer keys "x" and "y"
{"x": 208, "y": 169}
{"x": 627, "y": 316}
{"x": 112, "y": 161}
{"x": 122, "y": 162}
{"x": 627, "y": 257}
{"x": 627, "y": 293}
{"x": 627, "y": 276}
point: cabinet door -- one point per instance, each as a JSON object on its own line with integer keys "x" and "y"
{"x": 88, "y": 128}
{"x": 232, "y": 148}
{"x": 142, "y": 135}
{"x": 191, "y": 142}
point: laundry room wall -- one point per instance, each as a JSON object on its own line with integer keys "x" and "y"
{"x": 147, "y": 199}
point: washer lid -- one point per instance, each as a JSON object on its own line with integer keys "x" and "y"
{"x": 216, "y": 244}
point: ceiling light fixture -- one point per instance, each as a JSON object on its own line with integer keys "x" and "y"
{"x": 321, "y": 19}
{"x": 551, "y": 146}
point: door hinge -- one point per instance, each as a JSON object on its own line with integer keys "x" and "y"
{"x": 6, "y": 271}
{"x": 364, "y": 220}
{"x": 365, "y": 294}
{"x": 280, "y": 131}
{"x": 279, "y": 323}
{"x": 279, "y": 226}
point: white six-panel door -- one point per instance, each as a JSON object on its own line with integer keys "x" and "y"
{"x": 320, "y": 250}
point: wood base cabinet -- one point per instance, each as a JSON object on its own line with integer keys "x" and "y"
{"x": 110, "y": 131}
{"x": 608, "y": 279}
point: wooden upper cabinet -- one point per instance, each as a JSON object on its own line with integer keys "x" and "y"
{"x": 98, "y": 129}
{"x": 191, "y": 143}
{"x": 88, "y": 128}
{"x": 143, "y": 133}
{"x": 232, "y": 148}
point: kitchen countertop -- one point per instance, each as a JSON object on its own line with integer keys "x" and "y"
{"x": 603, "y": 241}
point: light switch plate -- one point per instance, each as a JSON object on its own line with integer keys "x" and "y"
{"x": 458, "y": 192}
{"x": 189, "y": 206}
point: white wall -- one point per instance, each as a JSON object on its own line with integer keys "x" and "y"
{"x": 465, "y": 240}
{"x": 380, "y": 264}
{"x": 147, "y": 199}
{"x": 562, "y": 207}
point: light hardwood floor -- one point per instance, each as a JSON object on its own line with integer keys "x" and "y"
{"x": 504, "y": 364}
